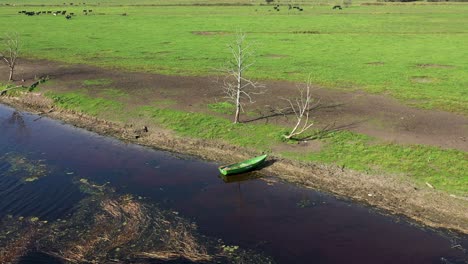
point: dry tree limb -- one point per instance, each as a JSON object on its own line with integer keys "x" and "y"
{"x": 301, "y": 107}
{"x": 3, "y": 92}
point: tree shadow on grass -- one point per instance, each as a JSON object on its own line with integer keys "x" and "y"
{"x": 274, "y": 113}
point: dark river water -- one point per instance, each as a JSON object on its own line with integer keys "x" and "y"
{"x": 289, "y": 223}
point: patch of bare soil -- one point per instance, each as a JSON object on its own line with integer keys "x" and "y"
{"x": 276, "y": 56}
{"x": 428, "y": 206}
{"x": 209, "y": 33}
{"x": 422, "y": 79}
{"x": 430, "y": 65}
{"x": 376, "y": 63}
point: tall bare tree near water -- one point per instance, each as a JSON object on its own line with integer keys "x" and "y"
{"x": 9, "y": 51}
{"x": 237, "y": 88}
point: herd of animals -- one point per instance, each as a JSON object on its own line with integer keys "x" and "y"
{"x": 87, "y": 11}
{"x": 55, "y": 13}
{"x": 277, "y": 7}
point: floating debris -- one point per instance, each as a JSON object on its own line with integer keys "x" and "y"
{"x": 27, "y": 170}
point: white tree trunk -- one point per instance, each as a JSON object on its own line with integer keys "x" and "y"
{"x": 12, "y": 69}
{"x": 238, "y": 89}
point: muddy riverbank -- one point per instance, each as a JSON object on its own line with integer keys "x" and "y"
{"x": 427, "y": 206}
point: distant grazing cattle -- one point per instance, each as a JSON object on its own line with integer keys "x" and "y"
{"x": 49, "y": 12}
{"x": 337, "y": 7}
{"x": 68, "y": 17}
{"x": 72, "y": 14}
{"x": 84, "y": 11}
{"x": 64, "y": 12}
{"x": 90, "y": 10}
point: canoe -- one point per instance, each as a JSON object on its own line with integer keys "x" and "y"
{"x": 243, "y": 166}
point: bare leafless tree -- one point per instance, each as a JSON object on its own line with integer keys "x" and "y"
{"x": 301, "y": 107}
{"x": 9, "y": 51}
{"x": 237, "y": 88}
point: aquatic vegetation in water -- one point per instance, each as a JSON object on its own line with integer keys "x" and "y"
{"x": 107, "y": 226}
{"x": 26, "y": 169}
{"x": 304, "y": 203}
{"x": 17, "y": 237}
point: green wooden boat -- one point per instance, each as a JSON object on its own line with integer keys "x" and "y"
{"x": 243, "y": 166}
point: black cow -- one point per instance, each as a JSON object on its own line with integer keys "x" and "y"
{"x": 68, "y": 17}
{"x": 64, "y": 12}
{"x": 337, "y": 7}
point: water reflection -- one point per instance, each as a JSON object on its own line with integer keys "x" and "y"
{"x": 16, "y": 121}
{"x": 102, "y": 186}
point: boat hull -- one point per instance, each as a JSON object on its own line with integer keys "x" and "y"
{"x": 243, "y": 166}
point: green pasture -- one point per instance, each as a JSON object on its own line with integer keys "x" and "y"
{"x": 415, "y": 53}
{"x": 166, "y": 2}
{"x": 444, "y": 169}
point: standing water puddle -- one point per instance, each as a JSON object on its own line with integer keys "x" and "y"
{"x": 47, "y": 168}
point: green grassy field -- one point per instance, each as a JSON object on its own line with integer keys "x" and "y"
{"x": 167, "y": 2}
{"x": 416, "y": 53}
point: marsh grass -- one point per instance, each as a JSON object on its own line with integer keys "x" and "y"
{"x": 222, "y": 108}
{"x": 81, "y": 102}
{"x": 442, "y": 168}
{"x": 16, "y": 237}
{"x": 114, "y": 93}
{"x": 109, "y": 227}
{"x": 97, "y": 82}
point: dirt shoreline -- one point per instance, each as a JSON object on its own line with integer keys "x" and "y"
{"x": 390, "y": 193}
